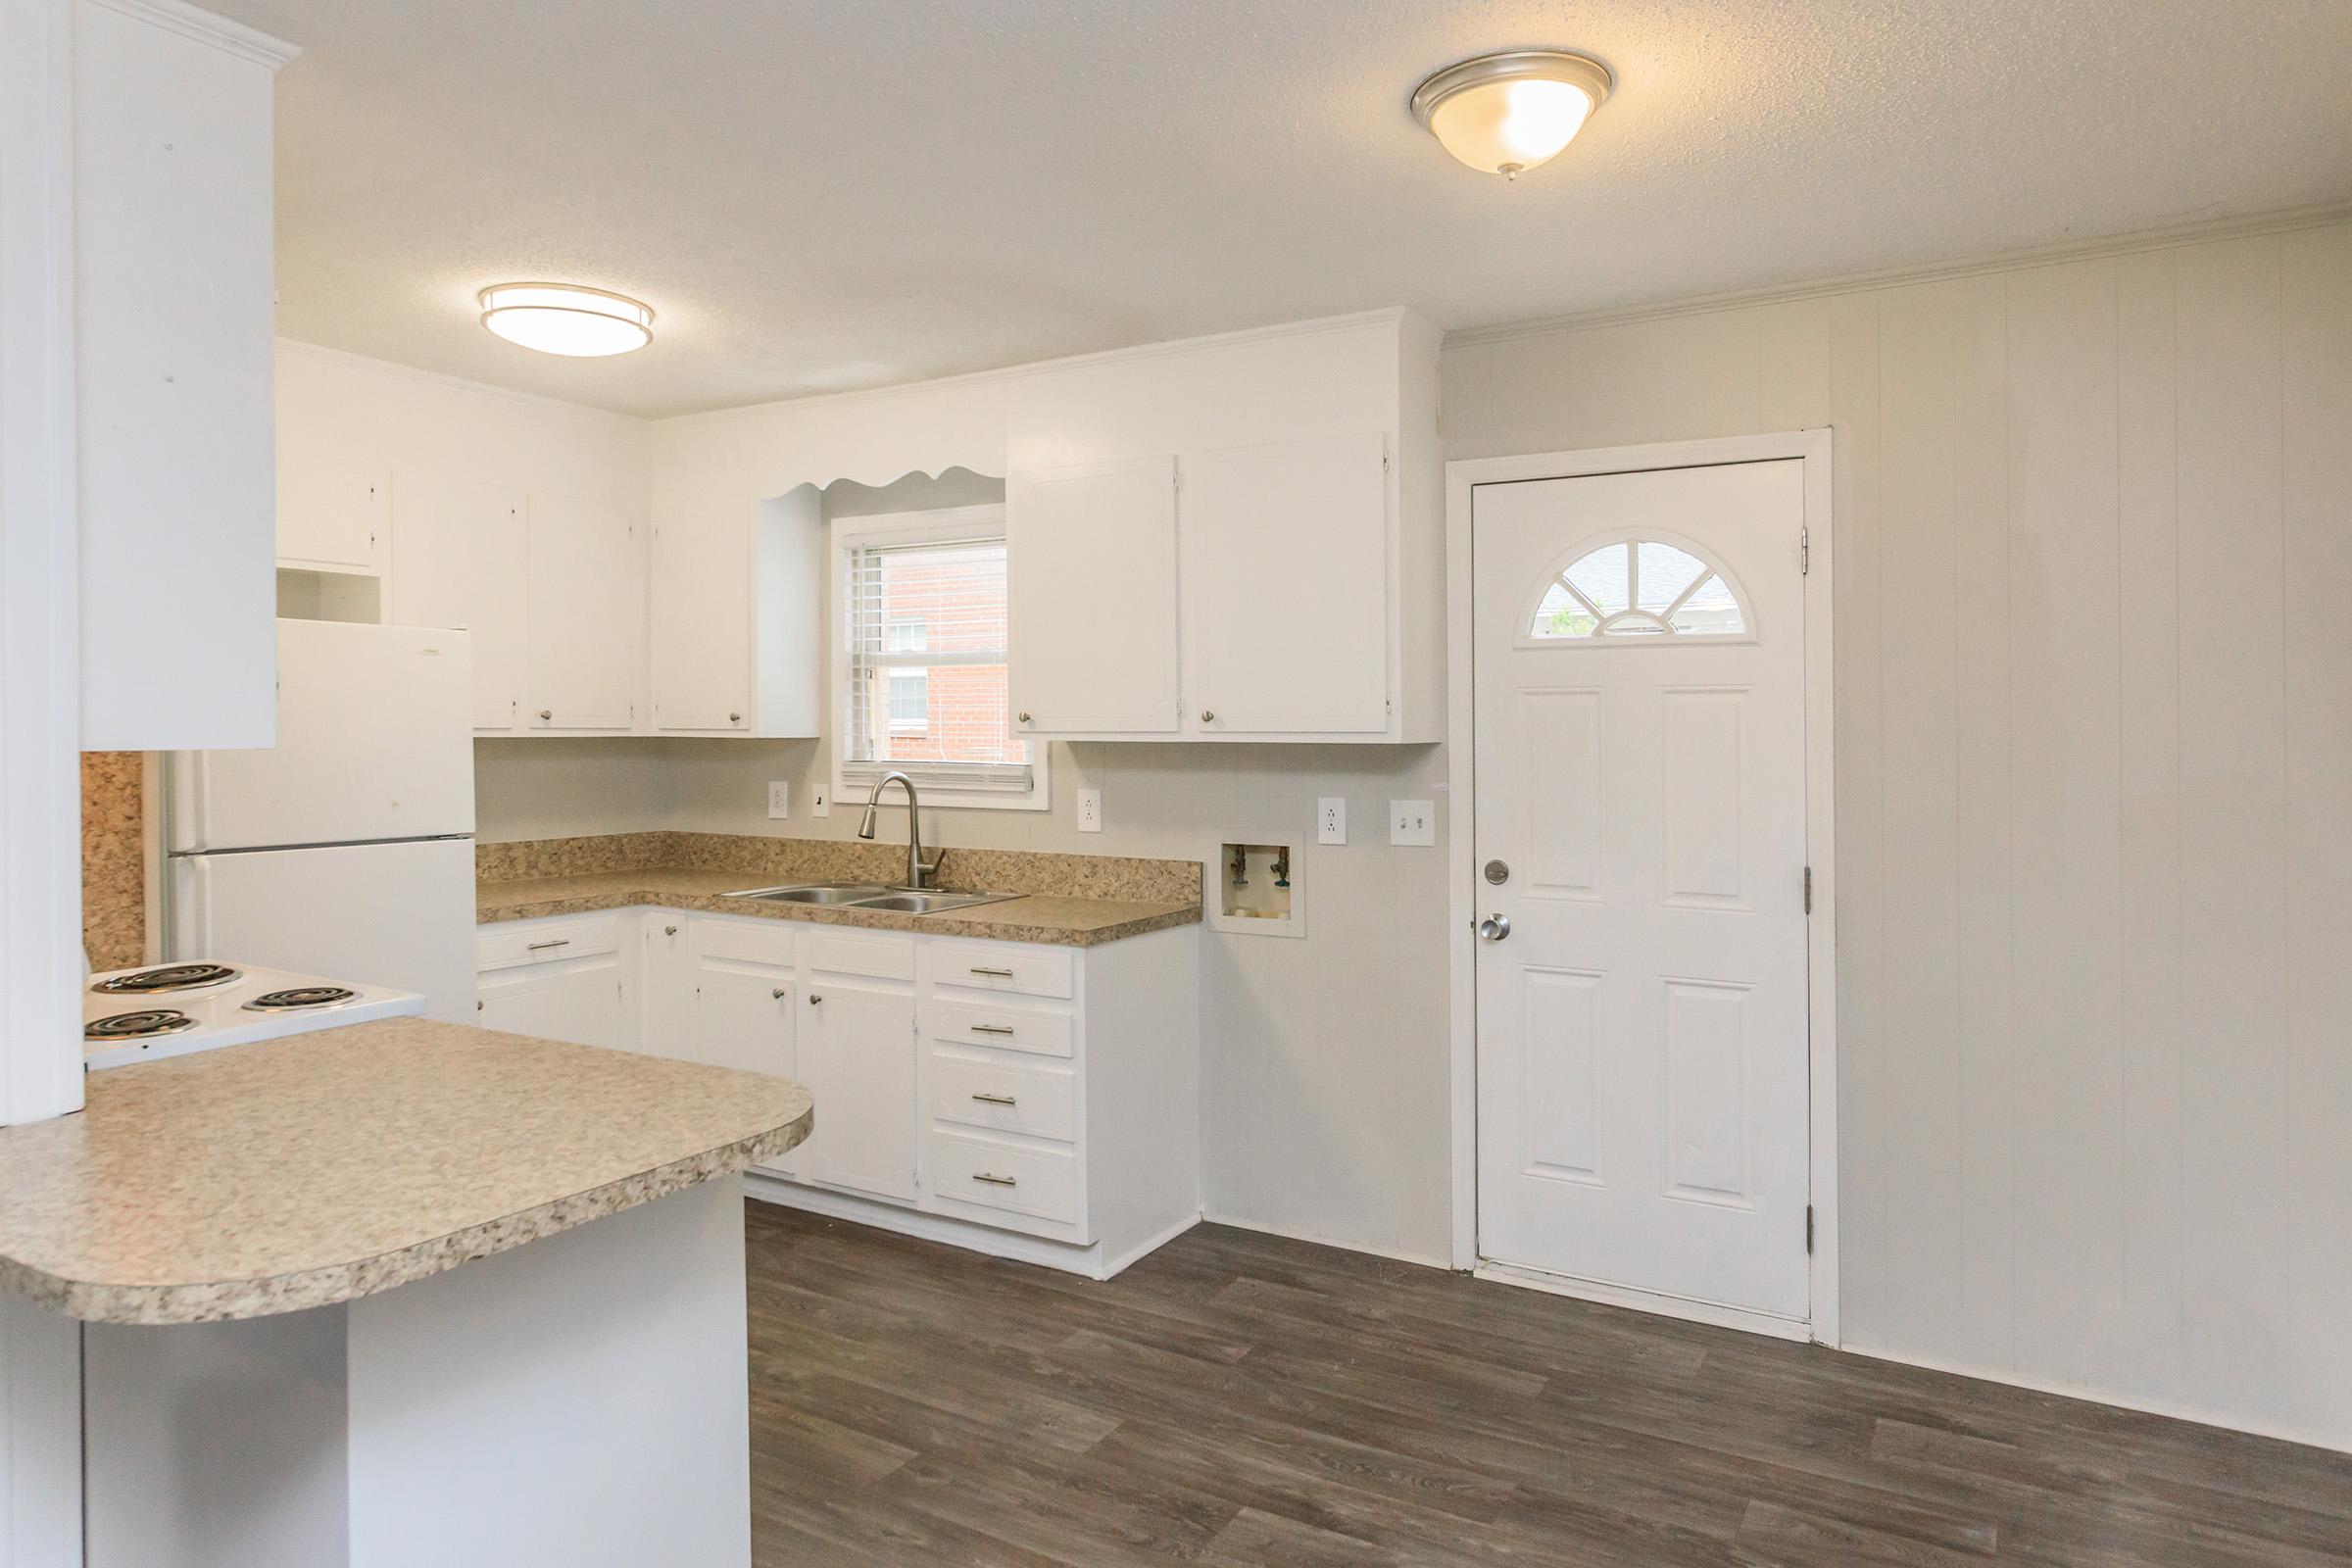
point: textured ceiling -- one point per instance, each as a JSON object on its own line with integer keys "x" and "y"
{"x": 819, "y": 196}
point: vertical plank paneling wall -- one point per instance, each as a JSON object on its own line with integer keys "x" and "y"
{"x": 2094, "y": 790}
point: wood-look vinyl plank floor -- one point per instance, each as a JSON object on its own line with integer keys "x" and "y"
{"x": 1239, "y": 1400}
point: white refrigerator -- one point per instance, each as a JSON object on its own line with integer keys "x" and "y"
{"x": 347, "y": 849}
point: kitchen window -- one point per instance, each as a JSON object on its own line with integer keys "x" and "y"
{"x": 921, "y": 680}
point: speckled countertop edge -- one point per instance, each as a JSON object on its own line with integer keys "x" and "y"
{"x": 216, "y": 1185}
{"x": 1039, "y": 918}
{"x": 225, "y": 1300}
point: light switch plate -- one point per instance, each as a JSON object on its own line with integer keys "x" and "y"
{"x": 1414, "y": 822}
{"x": 816, "y": 799}
{"x": 779, "y": 798}
{"x": 1090, "y": 810}
{"x": 1331, "y": 819}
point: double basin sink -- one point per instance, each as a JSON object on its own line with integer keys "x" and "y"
{"x": 872, "y": 896}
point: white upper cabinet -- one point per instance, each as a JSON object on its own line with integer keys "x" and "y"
{"x": 174, "y": 284}
{"x": 585, "y": 587}
{"x": 332, "y": 516}
{"x": 699, "y": 626}
{"x": 733, "y": 615}
{"x": 463, "y": 550}
{"x": 1285, "y": 589}
{"x": 1091, "y": 557}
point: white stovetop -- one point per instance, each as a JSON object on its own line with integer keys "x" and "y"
{"x": 221, "y": 1016}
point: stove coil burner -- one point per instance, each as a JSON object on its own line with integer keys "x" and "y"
{"x": 143, "y": 1025}
{"x": 171, "y": 977}
{"x": 300, "y": 997}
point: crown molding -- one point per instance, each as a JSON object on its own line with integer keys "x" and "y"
{"x": 232, "y": 37}
{"x": 2056, "y": 255}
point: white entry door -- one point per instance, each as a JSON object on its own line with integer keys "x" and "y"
{"x": 1643, "y": 1101}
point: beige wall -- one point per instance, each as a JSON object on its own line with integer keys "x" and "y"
{"x": 2095, "y": 791}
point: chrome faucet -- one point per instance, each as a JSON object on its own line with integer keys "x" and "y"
{"x": 918, "y": 869}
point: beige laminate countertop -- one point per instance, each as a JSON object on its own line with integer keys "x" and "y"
{"x": 1032, "y": 917}
{"x": 327, "y": 1166}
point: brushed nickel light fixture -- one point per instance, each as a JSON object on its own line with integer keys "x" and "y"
{"x": 1505, "y": 114}
{"x": 563, "y": 319}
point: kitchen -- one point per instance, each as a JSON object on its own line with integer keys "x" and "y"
{"x": 1083, "y": 757}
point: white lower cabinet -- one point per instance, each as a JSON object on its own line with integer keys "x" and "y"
{"x": 1036, "y": 1102}
{"x": 565, "y": 978}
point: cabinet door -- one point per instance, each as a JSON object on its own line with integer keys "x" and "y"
{"x": 332, "y": 515}
{"x": 459, "y": 557}
{"x": 579, "y": 1000}
{"x": 747, "y": 1017}
{"x": 1286, "y": 588}
{"x": 1090, "y": 561}
{"x": 584, "y": 594}
{"x": 699, "y": 620}
{"x": 858, "y": 1058}
{"x": 175, "y": 372}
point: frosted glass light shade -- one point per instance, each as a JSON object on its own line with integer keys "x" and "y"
{"x": 562, "y": 318}
{"x": 1509, "y": 112}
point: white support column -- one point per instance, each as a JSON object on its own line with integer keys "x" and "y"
{"x": 40, "y": 795}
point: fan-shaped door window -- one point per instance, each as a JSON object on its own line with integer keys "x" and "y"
{"x": 1629, "y": 589}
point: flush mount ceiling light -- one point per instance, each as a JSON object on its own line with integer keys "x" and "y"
{"x": 561, "y": 318}
{"x": 1505, "y": 114}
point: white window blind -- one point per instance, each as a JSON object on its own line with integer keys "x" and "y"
{"x": 928, "y": 687}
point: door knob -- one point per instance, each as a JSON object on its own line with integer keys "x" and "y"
{"x": 1494, "y": 927}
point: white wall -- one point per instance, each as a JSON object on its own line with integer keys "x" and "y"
{"x": 2095, "y": 791}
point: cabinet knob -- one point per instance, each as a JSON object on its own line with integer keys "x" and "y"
{"x": 734, "y": 718}
{"x": 547, "y": 712}
{"x": 781, "y": 992}
{"x": 1208, "y": 717}
{"x": 814, "y": 998}
{"x": 1024, "y": 715}
{"x": 669, "y": 930}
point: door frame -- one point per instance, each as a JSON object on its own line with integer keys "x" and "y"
{"x": 1462, "y": 477}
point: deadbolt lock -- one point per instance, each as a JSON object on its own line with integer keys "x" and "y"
{"x": 1497, "y": 872}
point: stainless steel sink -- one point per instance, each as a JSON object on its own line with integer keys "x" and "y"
{"x": 872, "y": 896}
{"x": 816, "y": 892}
{"x": 911, "y": 903}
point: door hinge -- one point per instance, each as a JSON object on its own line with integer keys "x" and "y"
{"x": 1808, "y": 1230}
{"x": 1804, "y": 551}
{"x": 1808, "y": 890}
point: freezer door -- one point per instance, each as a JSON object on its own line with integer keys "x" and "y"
{"x": 382, "y": 915}
{"x": 375, "y": 741}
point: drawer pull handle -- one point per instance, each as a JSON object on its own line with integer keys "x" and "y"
{"x": 993, "y": 1100}
{"x": 995, "y": 1180}
{"x": 559, "y": 941}
{"x": 994, "y": 1029}
{"x": 994, "y": 974}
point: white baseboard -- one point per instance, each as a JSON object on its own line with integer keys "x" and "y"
{"x": 972, "y": 1238}
{"x": 1676, "y": 1306}
{"x": 1288, "y": 1234}
{"x": 2174, "y": 1409}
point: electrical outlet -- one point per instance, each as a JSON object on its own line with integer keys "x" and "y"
{"x": 1090, "y": 810}
{"x": 816, "y": 799}
{"x": 1330, "y": 820}
{"x": 1414, "y": 822}
{"x": 779, "y": 798}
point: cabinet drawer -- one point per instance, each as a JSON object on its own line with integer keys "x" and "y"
{"x": 992, "y": 1023}
{"x": 502, "y": 947}
{"x": 755, "y": 941}
{"x": 991, "y": 968}
{"x": 1040, "y": 1102}
{"x": 973, "y": 1169}
{"x": 851, "y": 951}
